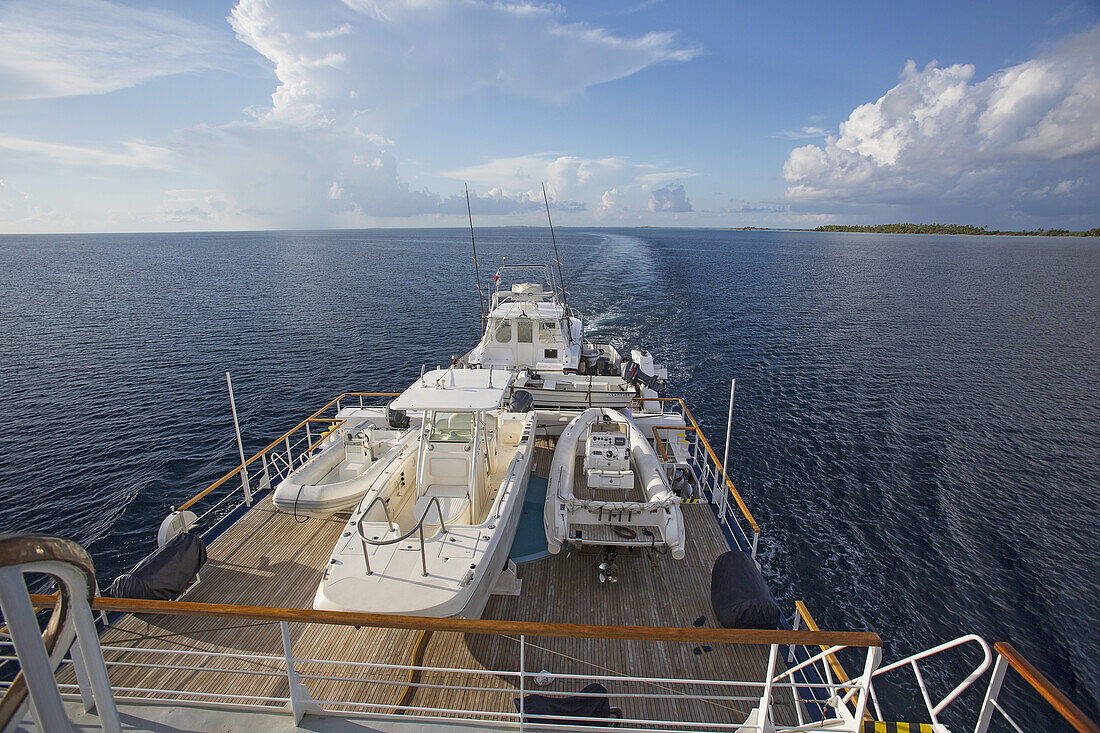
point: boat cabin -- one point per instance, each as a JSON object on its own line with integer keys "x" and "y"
{"x": 528, "y": 327}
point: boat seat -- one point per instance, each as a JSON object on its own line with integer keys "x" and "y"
{"x": 452, "y": 500}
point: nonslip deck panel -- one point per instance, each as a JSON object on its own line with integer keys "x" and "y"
{"x": 266, "y": 558}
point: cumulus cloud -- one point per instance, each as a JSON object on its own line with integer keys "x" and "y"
{"x": 71, "y": 47}
{"x": 324, "y": 152}
{"x": 671, "y": 199}
{"x": 383, "y": 57}
{"x": 1027, "y": 135}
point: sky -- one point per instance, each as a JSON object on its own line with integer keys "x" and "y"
{"x": 304, "y": 114}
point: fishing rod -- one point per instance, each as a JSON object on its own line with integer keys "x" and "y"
{"x": 477, "y": 272}
{"x": 561, "y": 280}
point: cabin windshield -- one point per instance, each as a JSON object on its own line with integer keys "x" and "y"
{"x": 452, "y": 427}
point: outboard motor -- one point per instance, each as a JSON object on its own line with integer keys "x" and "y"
{"x": 521, "y": 401}
{"x": 396, "y": 419}
{"x": 633, "y": 373}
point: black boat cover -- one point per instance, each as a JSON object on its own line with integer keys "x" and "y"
{"x": 164, "y": 574}
{"x": 535, "y": 706}
{"x": 739, "y": 595}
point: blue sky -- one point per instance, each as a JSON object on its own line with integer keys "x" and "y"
{"x": 266, "y": 114}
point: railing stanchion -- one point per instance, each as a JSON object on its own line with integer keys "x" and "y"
{"x": 95, "y": 668}
{"x": 874, "y": 656}
{"x": 15, "y": 604}
{"x": 726, "y": 457}
{"x": 297, "y": 699}
{"x": 763, "y": 721}
{"x": 240, "y": 446}
{"x": 794, "y": 627}
{"x": 985, "y": 716}
{"x": 755, "y": 543}
{"x": 87, "y": 698}
{"x": 522, "y": 667}
{"x": 266, "y": 478}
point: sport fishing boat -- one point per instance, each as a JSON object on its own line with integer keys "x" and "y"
{"x": 432, "y": 532}
{"x": 608, "y": 488}
{"x": 437, "y": 606}
{"x": 531, "y": 331}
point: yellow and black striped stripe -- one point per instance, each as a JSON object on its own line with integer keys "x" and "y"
{"x": 873, "y": 726}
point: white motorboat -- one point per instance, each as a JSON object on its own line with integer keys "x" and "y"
{"x": 530, "y": 331}
{"x": 607, "y": 488}
{"x": 348, "y": 461}
{"x": 432, "y": 534}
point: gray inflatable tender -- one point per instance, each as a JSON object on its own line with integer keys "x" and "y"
{"x": 165, "y": 573}
{"x": 739, "y": 595}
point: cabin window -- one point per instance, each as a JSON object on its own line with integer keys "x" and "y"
{"x": 504, "y": 332}
{"x": 548, "y": 332}
{"x": 524, "y": 331}
{"x": 452, "y": 427}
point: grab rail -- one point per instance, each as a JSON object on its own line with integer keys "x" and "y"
{"x": 1006, "y": 653}
{"x": 478, "y": 626}
{"x": 237, "y": 469}
{"x": 935, "y": 710}
{"x": 385, "y": 510}
{"x": 419, "y": 527}
{"x": 719, "y": 469}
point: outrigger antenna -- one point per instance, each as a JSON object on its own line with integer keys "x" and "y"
{"x": 477, "y": 273}
{"x": 561, "y": 280}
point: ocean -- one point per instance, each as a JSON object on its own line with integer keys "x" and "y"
{"x": 916, "y": 424}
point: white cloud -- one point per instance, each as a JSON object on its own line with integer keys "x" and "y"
{"x": 805, "y": 133}
{"x": 69, "y": 47}
{"x": 381, "y": 58}
{"x": 940, "y": 140}
{"x": 324, "y": 153}
{"x": 133, "y": 154}
{"x": 607, "y": 180}
{"x": 671, "y": 199}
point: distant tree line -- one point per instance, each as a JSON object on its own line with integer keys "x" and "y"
{"x": 906, "y": 228}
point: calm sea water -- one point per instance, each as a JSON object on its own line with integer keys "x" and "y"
{"x": 916, "y": 427}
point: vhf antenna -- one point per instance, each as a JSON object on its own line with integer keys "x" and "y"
{"x": 477, "y": 272}
{"x": 561, "y": 280}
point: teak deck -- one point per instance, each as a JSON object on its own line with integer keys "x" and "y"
{"x": 267, "y": 559}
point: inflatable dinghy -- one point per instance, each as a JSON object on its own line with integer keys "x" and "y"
{"x": 607, "y": 487}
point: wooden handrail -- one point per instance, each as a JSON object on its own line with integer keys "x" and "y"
{"x": 657, "y": 437}
{"x": 838, "y": 668}
{"x": 1043, "y": 686}
{"x": 706, "y": 444}
{"x": 479, "y": 626}
{"x": 190, "y": 502}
